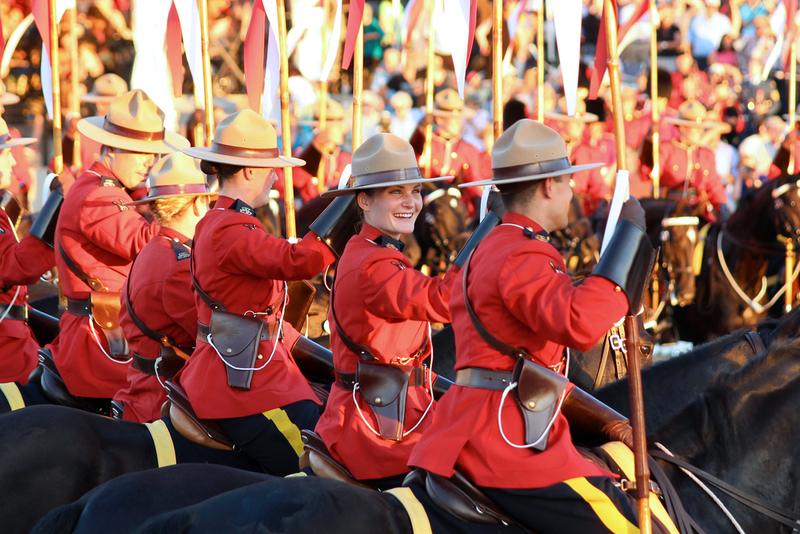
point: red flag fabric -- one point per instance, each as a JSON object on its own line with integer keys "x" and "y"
{"x": 473, "y": 16}
{"x": 414, "y": 9}
{"x": 174, "y": 54}
{"x": 354, "y": 19}
{"x": 254, "y": 53}
{"x": 41, "y": 16}
{"x": 601, "y": 54}
{"x": 2, "y": 39}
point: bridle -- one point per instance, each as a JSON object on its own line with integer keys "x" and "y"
{"x": 444, "y": 245}
{"x": 783, "y": 218}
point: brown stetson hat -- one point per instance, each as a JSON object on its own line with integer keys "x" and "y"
{"x": 560, "y": 113}
{"x": 382, "y": 160}
{"x": 175, "y": 175}
{"x": 529, "y": 151}
{"x": 106, "y": 89}
{"x": 6, "y": 141}
{"x": 7, "y": 98}
{"x": 448, "y": 104}
{"x": 135, "y": 123}
{"x": 334, "y": 113}
{"x": 246, "y": 139}
{"x": 692, "y": 114}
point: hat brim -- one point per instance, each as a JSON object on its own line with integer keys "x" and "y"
{"x": 92, "y": 127}
{"x": 533, "y": 177}
{"x": 464, "y": 113}
{"x": 315, "y": 123}
{"x": 145, "y": 200}
{"x": 204, "y": 153}
{"x": 8, "y": 99}
{"x": 99, "y": 99}
{"x": 584, "y": 117}
{"x": 352, "y": 190}
{"x": 691, "y": 124}
{"x": 20, "y": 141}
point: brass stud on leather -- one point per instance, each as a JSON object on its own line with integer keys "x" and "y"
{"x": 229, "y": 350}
{"x": 531, "y": 405}
{"x": 109, "y": 325}
{"x": 377, "y": 400}
{"x": 260, "y": 357}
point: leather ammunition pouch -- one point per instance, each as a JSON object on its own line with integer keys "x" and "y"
{"x": 301, "y": 296}
{"x": 459, "y": 497}
{"x": 237, "y": 339}
{"x": 628, "y": 262}
{"x": 337, "y": 224}
{"x": 44, "y": 227}
{"x": 385, "y": 387}
{"x": 538, "y": 392}
{"x": 203, "y": 431}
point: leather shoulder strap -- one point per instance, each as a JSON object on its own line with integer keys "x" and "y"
{"x": 491, "y": 340}
{"x": 164, "y": 339}
{"x": 93, "y": 283}
{"x": 351, "y": 345}
{"x": 211, "y": 303}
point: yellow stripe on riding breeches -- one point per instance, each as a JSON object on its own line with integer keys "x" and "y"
{"x": 13, "y": 395}
{"x": 165, "y": 449}
{"x": 416, "y": 512}
{"x": 285, "y": 426}
{"x": 602, "y": 505}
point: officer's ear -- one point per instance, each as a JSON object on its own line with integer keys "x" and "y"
{"x": 362, "y": 200}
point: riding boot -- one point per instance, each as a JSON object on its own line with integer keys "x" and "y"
{"x": 592, "y": 423}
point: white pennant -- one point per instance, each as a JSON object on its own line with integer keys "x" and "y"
{"x": 46, "y": 67}
{"x": 189, "y": 17}
{"x": 454, "y": 36}
{"x": 333, "y": 45}
{"x": 567, "y": 18}
{"x": 272, "y": 73}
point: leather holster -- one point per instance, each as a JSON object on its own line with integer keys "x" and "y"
{"x": 105, "y": 312}
{"x": 237, "y": 339}
{"x": 384, "y": 387}
{"x": 537, "y": 394}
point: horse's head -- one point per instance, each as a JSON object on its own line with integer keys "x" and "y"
{"x": 443, "y": 216}
{"x": 786, "y": 196}
{"x": 679, "y": 229}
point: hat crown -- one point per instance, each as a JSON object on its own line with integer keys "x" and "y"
{"x": 448, "y": 100}
{"x": 383, "y": 152}
{"x": 246, "y": 129}
{"x": 333, "y": 110}
{"x": 525, "y": 142}
{"x": 176, "y": 169}
{"x": 692, "y": 111}
{"x": 109, "y": 85}
{"x": 136, "y": 111}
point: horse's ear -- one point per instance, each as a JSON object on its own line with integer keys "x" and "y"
{"x": 429, "y": 187}
{"x": 679, "y": 208}
{"x": 459, "y": 179}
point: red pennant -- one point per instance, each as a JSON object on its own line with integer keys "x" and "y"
{"x": 2, "y": 39}
{"x": 791, "y": 12}
{"x": 174, "y": 53}
{"x": 413, "y": 17}
{"x": 41, "y": 16}
{"x": 254, "y": 56}
{"x": 473, "y": 16}
{"x": 354, "y": 19}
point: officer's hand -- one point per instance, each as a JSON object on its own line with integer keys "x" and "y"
{"x": 633, "y": 212}
{"x": 62, "y": 182}
{"x": 620, "y": 431}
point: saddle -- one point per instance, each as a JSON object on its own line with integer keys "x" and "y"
{"x": 317, "y": 456}
{"x": 56, "y": 391}
{"x": 202, "y": 431}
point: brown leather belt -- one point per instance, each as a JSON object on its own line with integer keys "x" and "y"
{"x": 418, "y": 377}
{"x": 80, "y": 307}
{"x": 203, "y": 330}
{"x": 476, "y": 377}
{"x": 166, "y": 366}
{"x": 16, "y": 312}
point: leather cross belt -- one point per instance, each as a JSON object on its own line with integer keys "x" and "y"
{"x": 16, "y": 312}
{"x": 80, "y": 307}
{"x": 418, "y": 377}
{"x": 477, "y": 377}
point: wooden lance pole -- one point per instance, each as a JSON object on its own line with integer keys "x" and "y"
{"x": 202, "y": 6}
{"x": 540, "y": 63}
{"x": 428, "y": 151}
{"x": 323, "y": 92}
{"x": 358, "y": 86}
{"x": 631, "y": 333}
{"x": 655, "y": 175}
{"x": 58, "y": 160}
{"x": 497, "y": 68}
{"x": 75, "y": 97}
{"x": 792, "y": 91}
{"x": 286, "y": 136}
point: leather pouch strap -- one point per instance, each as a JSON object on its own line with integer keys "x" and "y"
{"x": 94, "y": 283}
{"x": 476, "y": 377}
{"x": 169, "y": 363}
{"x": 16, "y": 313}
{"x": 164, "y": 339}
{"x": 79, "y": 307}
{"x": 418, "y": 377}
{"x": 538, "y": 394}
{"x": 385, "y": 386}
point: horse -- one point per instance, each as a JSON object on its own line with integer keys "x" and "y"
{"x": 443, "y": 217}
{"x": 736, "y": 254}
{"x": 577, "y": 241}
{"x": 726, "y": 430}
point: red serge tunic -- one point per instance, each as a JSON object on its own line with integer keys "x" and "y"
{"x": 385, "y": 305}
{"x": 697, "y": 165}
{"x": 449, "y": 157}
{"x": 520, "y": 293}
{"x": 161, "y": 297}
{"x": 238, "y": 264}
{"x": 102, "y": 237}
{"x": 21, "y": 263}
{"x": 306, "y": 184}
{"x": 591, "y": 184}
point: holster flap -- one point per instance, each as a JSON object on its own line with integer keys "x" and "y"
{"x": 538, "y": 391}
{"x": 105, "y": 308}
{"x": 237, "y": 339}
{"x": 384, "y": 387}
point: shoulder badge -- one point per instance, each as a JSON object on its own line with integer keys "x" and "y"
{"x": 539, "y": 236}
{"x": 182, "y": 252}
{"x": 242, "y": 207}
{"x": 398, "y": 265}
{"x": 556, "y": 268}
{"x": 108, "y": 181}
{"x": 121, "y": 205}
{"x": 251, "y": 226}
{"x": 387, "y": 242}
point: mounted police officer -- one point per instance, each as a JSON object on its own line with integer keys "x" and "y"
{"x": 514, "y": 310}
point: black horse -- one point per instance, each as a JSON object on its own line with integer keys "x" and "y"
{"x": 443, "y": 218}
{"x": 732, "y": 286}
{"x": 743, "y": 429}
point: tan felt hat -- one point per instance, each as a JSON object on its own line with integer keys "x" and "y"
{"x": 334, "y": 113}
{"x": 529, "y": 151}
{"x": 7, "y": 98}
{"x": 560, "y": 113}
{"x": 135, "y": 123}
{"x": 693, "y": 114}
{"x": 447, "y": 104}
{"x": 246, "y": 139}
{"x": 175, "y": 175}
{"x": 106, "y": 89}
{"x": 382, "y": 160}
{"x": 6, "y": 141}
